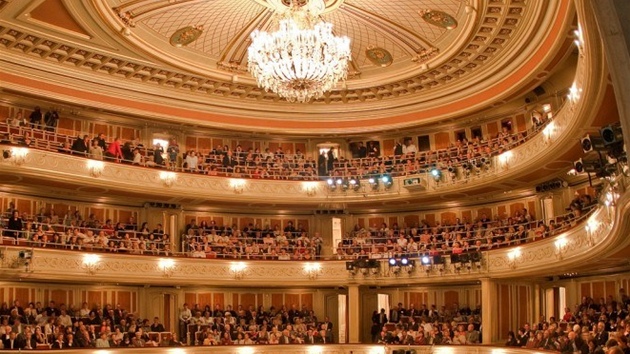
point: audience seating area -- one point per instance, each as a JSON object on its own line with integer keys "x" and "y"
{"x": 66, "y": 327}
{"x": 246, "y": 326}
{"x": 427, "y": 325}
{"x": 72, "y": 232}
{"x": 593, "y": 326}
{"x": 462, "y": 159}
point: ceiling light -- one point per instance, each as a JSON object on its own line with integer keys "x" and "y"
{"x": 303, "y": 58}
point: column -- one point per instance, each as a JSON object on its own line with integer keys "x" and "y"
{"x": 536, "y": 307}
{"x": 614, "y": 29}
{"x": 354, "y": 315}
{"x": 489, "y": 310}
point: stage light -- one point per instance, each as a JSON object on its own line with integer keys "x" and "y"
{"x": 392, "y": 261}
{"x": 373, "y": 182}
{"x": 355, "y": 184}
{"x": 437, "y": 174}
{"x": 329, "y": 181}
{"x": 387, "y": 181}
{"x": 404, "y": 261}
{"x": 426, "y": 260}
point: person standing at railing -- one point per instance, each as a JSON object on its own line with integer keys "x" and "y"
{"x": 173, "y": 153}
{"x": 36, "y": 118}
{"x": 114, "y": 151}
{"x": 15, "y": 225}
{"x": 81, "y": 145}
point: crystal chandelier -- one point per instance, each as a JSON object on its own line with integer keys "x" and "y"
{"x": 303, "y": 58}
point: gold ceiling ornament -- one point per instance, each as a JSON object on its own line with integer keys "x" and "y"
{"x": 184, "y": 36}
{"x": 438, "y": 18}
{"x": 302, "y": 59}
{"x": 379, "y": 56}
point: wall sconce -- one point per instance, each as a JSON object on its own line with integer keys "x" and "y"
{"x": 167, "y": 266}
{"x": 574, "y": 93}
{"x": 312, "y": 270}
{"x": 238, "y": 185}
{"x": 514, "y": 257}
{"x": 91, "y": 263}
{"x": 504, "y": 159}
{"x": 310, "y": 188}
{"x": 238, "y": 269}
{"x": 168, "y": 178}
{"x": 549, "y": 131}
{"x": 561, "y": 247}
{"x": 18, "y": 155}
{"x": 591, "y": 227}
{"x": 95, "y": 168}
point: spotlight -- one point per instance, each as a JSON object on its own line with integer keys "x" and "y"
{"x": 387, "y": 181}
{"x": 373, "y": 182}
{"x": 392, "y": 261}
{"x": 404, "y": 261}
{"x": 426, "y": 260}
{"x": 578, "y": 166}
{"x": 437, "y": 174}
{"x": 339, "y": 181}
{"x": 590, "y": 143}
{"x": 355, "y": 184}
{"x": 611, "y": 134}
{"x": 331, "y": 184}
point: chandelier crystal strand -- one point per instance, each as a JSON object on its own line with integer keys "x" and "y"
{"x": 303, "y": 59}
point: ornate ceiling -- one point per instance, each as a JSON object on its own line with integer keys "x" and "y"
{"x": 414, "y": 61}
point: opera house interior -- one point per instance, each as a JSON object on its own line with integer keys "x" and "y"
{"x": 314, "y": 176}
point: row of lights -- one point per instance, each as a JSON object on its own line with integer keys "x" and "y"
{"x": 353, "y": 183}
{"x": 92, "y": 264}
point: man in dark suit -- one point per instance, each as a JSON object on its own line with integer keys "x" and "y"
{"x": 229, "y": 161}
{"x": 59, "y": 343}
{"x": 81, "y": 145}
{"x": 13, "y": 341}
{"x": 310, "y": 337}
{"x": 601, "y": 336}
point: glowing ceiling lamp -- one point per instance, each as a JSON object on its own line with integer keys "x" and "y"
{"x": 303, "y": 58}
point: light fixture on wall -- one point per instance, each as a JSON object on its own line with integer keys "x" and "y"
{"x": 310, "y": 188}
{"x": 18, "y": 155}
{"x": 303, "y": 59}
{"x": 561, "y": 244}
{"x": 95, "y": 168}
{"x": 549, "y": 131}
{"x": 167, "y": 266}
{"x": 238, "y": 185}
{"x": 91, "y": 263}
{"x": 514, "y": 257}
{"x": 505, "y": 158}
{"x": 312, "y": 270}
{"x": 238, "y": 269}
{"x": 168, "y": 178}
{"x": 574, "y": 93}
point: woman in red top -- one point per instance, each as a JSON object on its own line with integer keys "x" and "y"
{"x": 114, "y": 151}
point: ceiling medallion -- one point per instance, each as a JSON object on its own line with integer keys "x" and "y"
{"x": 185, "y": 36}
{"x": 379, "y": 56}
{"x": 302, "y": 59}
{"x": 438, "y": 18}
